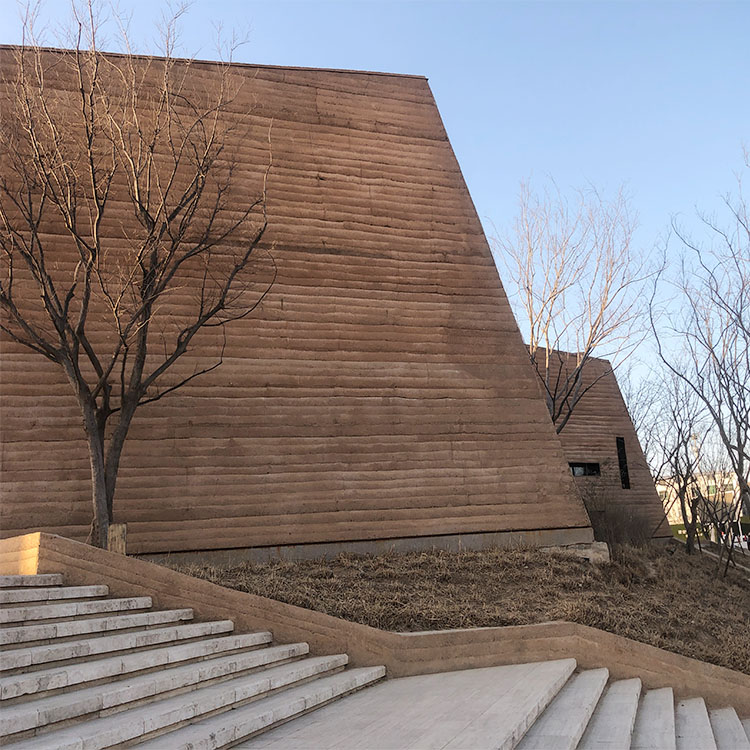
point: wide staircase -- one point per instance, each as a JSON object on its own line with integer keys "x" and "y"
{"x": 80, "y": 671}
{"x": 592, "y": 712}
{"x": 539, "y": 706}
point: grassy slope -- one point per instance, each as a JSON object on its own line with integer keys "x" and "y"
{"x": 658, "y": 596}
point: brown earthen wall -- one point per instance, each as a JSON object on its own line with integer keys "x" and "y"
{"x": 381, "y": 390}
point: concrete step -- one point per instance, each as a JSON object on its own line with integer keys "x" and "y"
{"x": 746, "y": 726}
{"x": 654, "y": 723}
{"x": 26, "y": 658}
{"x": 728, "y": 730}
{"x": 611, "y": 725}
{"x": 72, "y": 609}
{"x": 57, "y": 678}
{"x": 158, "y": 717}
{"x": 119, "y": 695}
{"x": 47, "y": 579}
{"x": 44, "y": 594}
{"x": 692, "y": 726}
{"x": 55, "y": 631}
{"x": 225, "y": 730}
{"x": 469, "y": 708}
{"x": 509, "y": 718}
{"x": 564, "y": 721}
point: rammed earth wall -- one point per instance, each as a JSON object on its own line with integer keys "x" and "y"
{"x": 380, "y": 391}
{"x": 591, "y": 435}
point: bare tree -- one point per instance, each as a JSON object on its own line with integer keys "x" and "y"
{"x": 702, "y": 329}
{"x": 124, "y": 232}
{"x": 719, "y": 502}
{"x": 709, "y": 324}
{"x": 673, "y": 430}
{"x": 678, "y": 439}
{"x": 574, "y": 278}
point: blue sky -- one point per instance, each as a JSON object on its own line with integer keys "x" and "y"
{"x": 652, "y": 95}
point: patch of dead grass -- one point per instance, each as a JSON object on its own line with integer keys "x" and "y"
{"x": 653, "y": 595}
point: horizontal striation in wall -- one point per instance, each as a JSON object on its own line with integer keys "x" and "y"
{"x": 380, "y": 390}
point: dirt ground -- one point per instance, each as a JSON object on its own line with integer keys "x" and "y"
{"x": 655, "y": 595}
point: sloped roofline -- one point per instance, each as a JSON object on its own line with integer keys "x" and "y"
{"x": 234, "y": 64}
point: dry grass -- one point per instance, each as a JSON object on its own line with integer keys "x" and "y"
{"x": 657, "y": 596}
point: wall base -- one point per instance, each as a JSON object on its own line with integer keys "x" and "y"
{"x": 574, "y": 538}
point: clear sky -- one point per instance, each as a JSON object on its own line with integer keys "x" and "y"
{"x": 655, "y": 95}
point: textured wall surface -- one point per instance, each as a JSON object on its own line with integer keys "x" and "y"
{"x": 380, "y": 390}
{"x": 590, "y": 436}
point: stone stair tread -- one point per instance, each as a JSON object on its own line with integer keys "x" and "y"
{"x": 102, "y": 625}
{"x": 746, "y": 726}
{"x": 42, "y": 594}
{"x": 226, "y": 730}
{"x": 160, "y": 715}
{"x": 79, "y": 649}
{"x": 44, "y": 579}
{"x": 693, "y": 726}
{"x": 515, "y": 711}
{"x": 56, "y": 610}
{"x": 98, "y": 669}
{"x": 420, "y": 711}
{"x": 90, "y": 700}
{"x": 728, "y": 730}
{"x": 654, "y": 723}
{"x": 564, "y": 721}
{"x": 612, "y": 722}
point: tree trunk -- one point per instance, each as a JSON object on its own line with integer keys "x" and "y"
{"x": 744, "y": 496}
{"x": 688, "y": 523}
{"x": 691, "y": 534}
{"x": 95, "y": 439}
{"x": 114, "y": 453}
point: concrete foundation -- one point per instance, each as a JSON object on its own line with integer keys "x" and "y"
{"x": 580, "y": 541}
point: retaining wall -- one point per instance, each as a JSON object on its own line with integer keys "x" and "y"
{"x": 402, "y": 653}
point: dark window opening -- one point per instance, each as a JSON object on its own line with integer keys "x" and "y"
{"x": 622, "y": 458}
{"x": 585, "y": 470}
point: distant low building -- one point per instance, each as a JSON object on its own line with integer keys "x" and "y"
{"x": 715, "y": 486}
